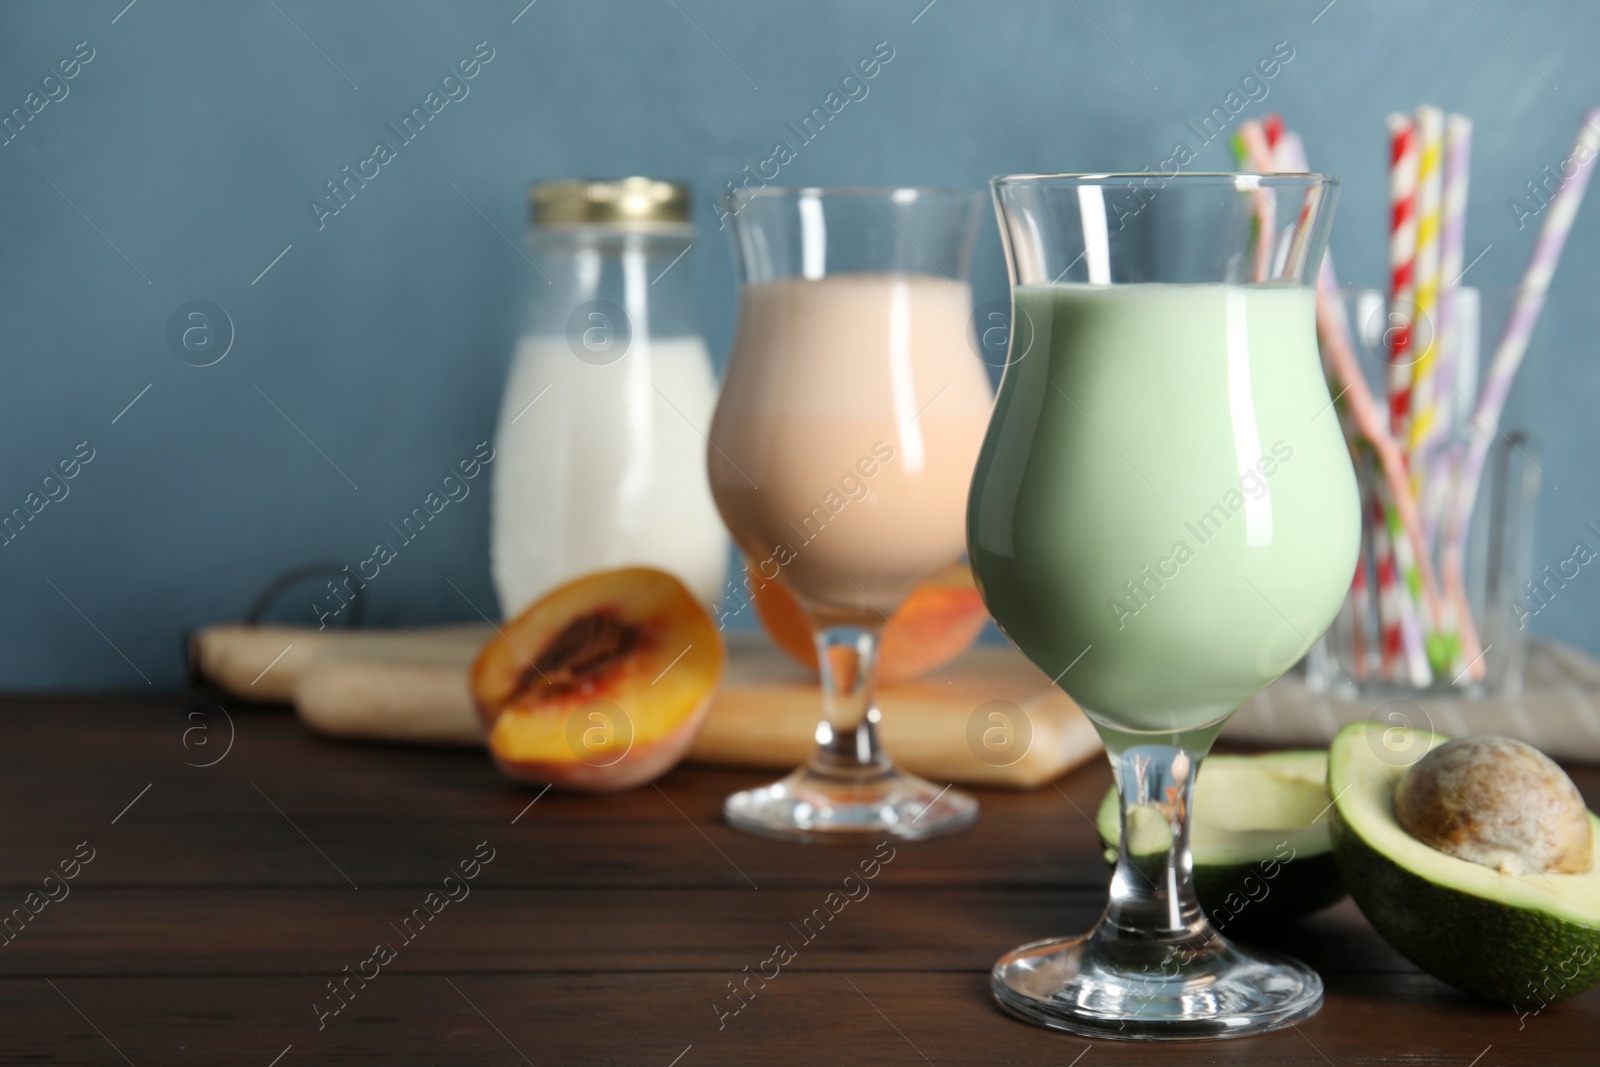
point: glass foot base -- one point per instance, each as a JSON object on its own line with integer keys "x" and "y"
{"x": 813, "y": 806}
{"x": 1084, "y": 986}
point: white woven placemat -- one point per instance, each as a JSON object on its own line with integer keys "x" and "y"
{"x": 1558, "y": 711}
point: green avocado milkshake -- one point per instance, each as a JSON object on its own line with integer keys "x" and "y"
{"x": 1165, "y": 493}
{"x": 1163, "y": 518}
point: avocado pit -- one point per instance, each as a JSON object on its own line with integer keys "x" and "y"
{"x": 1497, "y": 802}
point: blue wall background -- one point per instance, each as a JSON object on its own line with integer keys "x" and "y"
{"x": 194, "y": 138}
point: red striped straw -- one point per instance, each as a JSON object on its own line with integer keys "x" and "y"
{"x": 1394, "y": 594}
{"x": 1289, "y": 154}
{"x": 1389, "y": 649}
{"x": 1403, "y": 160}
{"x": 1361, "y": 609}
{"x": 1255, "y": 144}
{"x": 1559, "y": 215}
{"x": 1407, "y": 591}
{"x": 1272, "y": 126}
{"x": 1336, "y": 345}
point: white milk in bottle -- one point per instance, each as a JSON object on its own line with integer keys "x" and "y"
{"x": 601, "y": 443}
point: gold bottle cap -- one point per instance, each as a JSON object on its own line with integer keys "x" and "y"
{"x": 625, "y": 203}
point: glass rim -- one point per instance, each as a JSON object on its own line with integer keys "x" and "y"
{"x": 1303, "y": 179}
{"x": 853, "y": 190}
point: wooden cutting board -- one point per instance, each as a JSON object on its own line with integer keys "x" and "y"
{"x": 988, "y": 718}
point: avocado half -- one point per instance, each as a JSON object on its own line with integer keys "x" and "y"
{"x": 1259, "y": 837}
{"x": 1525, "y": 940}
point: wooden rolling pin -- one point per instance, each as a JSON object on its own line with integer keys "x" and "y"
{"x": 266, "y": 662}
{"x": 411, "y": 686}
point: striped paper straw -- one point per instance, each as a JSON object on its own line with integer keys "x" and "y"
{"x": 1254, "y": 146}
{"x": 1405, "y": 594}
{"x": 1531, "y": 293}
{"x": 1289, "y": 154}
{"x": 1398, "y": 593}
{"x": 1286, "y": 150}
{"x": 1452, "y": 253}
{"x": 1425, "y": 339}
{"x": 1360, "y": 601}
{"x": 1389, "y": 642}
{"x": 1425, "y": 319}
{"x": 1466, "y": 312}
{"x": 1403, "y": 162}
{"x": 1272, "y": 127}
{"x": 1559, "y": 215}
{"x": 1334, "y": 331}
{"x": 1402, "y": 254}
{"x": 1434, "y": 457}
{"x": 1444, "y": 178}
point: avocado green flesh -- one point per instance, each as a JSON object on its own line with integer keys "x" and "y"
{"x": 1525, "y": 940}
{"x": 1261, "y": 854}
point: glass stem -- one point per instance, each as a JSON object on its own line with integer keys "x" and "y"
{"x": 1152, "y": 891}
{"x": 847, "y": 736}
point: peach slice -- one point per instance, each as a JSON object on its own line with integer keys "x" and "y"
{"x": 939, "y": 620}
{"x": 602, "y": 683}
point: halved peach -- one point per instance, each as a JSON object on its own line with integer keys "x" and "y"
{"x": 941, "y": 619}
{"x": 602, "y": 683}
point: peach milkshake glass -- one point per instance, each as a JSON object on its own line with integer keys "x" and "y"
{"x": 840, "y": 456}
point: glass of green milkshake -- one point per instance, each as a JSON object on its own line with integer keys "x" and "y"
{"x": 1163, "y": 518}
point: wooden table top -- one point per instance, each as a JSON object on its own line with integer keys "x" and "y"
{"x": 220, "y": 903}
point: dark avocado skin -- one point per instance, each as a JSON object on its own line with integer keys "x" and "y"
{"x": 1252, "y": 898}
{"x": 1243, "y": 900}
{"x": 1516, "y": 956}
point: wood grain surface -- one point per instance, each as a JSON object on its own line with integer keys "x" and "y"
{"x": 223, "y": 899}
